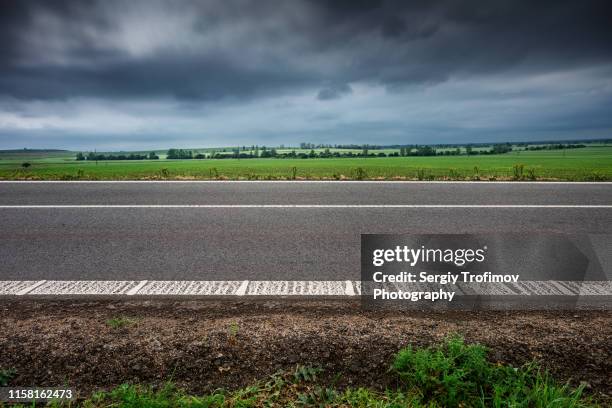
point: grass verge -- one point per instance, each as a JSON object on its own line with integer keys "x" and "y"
{"x": 451, "y": 374}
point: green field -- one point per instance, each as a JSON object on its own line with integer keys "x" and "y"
{"x": 591, "y": 163}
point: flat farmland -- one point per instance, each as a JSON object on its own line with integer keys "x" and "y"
{"x": 593, "y": 163}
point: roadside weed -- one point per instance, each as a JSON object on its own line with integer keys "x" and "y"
{"x": 120, "y": 322}
{"x": 6, "y": 375}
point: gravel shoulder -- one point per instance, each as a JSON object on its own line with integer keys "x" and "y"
{"x": 203, "y": 345}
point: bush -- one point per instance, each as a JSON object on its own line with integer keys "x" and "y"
{"x": 420, "y": 174}
{"x": 595, "y": 176}
{"x": 476, "y": 173}
{"x": 359, "y": 174}
{"x": 454, "y": 374}
{"x": 531, "y": 174}
{"x": 453, "y": 174}
{"x": 517, "y": 171}
{"x": 448, "y": 374}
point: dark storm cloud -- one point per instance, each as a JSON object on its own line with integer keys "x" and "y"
{"x": 153, "y": 73}
{"x": 240, "y": 49}
{"x": 205, "y": 77}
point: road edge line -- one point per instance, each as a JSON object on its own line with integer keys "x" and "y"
{"x": 349, "y": 289}
{"x": 242, "y": 289}
{"x": 133, "y": 291}
{"x": 550, "y": 182}
{"x": 30, "y": 288}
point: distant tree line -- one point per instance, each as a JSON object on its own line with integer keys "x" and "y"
{"x": 264, "y": 152}
{"x": 91, "y": 156}
{"x": 558, "y": 146}
{"x": 179, "y": 154}
{"x": 305, "y": 145}
{"x": 253, "y": 152}
{"x": 501, "y": 148}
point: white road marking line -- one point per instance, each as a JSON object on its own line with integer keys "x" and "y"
{"x": 595, "y": 289}
{"x": 296, "y": 288}
{"x": 357, "y": 206}
{"x": 286, "y": 288}
{"x": 94, "y": 287}
{"x": 30, "y": 288}
{"x": 350, "y": 291}
{"x": 191, "y": 288}
{"x": 243, "y": 288}
{"x": 13, "y": 287}
{"x": 136, "y": 288}
{"x": 298, "y": 182}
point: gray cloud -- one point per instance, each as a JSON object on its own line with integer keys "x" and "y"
{"x": 334, "y": 92}
{"x": 206, "y": 51}
{"x": 213, "y": 55}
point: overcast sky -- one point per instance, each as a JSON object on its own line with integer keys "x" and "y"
{"x": 156, "y": 74}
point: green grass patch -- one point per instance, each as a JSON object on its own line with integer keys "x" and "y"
{"x": 120, "y": 322}
{"x": 451, "y": 374}
{"x": 6, "y": 374}
{"x": 454, "y": 374}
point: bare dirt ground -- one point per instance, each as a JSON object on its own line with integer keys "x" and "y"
{"x": 207, "y": 344}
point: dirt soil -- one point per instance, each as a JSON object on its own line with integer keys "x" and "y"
{"x": 207, "y": 344}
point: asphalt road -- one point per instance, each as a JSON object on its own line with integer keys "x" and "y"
{"x": 276, "y": 192}
{"x": 264, "y": 243}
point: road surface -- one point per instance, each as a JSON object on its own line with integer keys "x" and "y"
{"x": 264, "y": 230}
